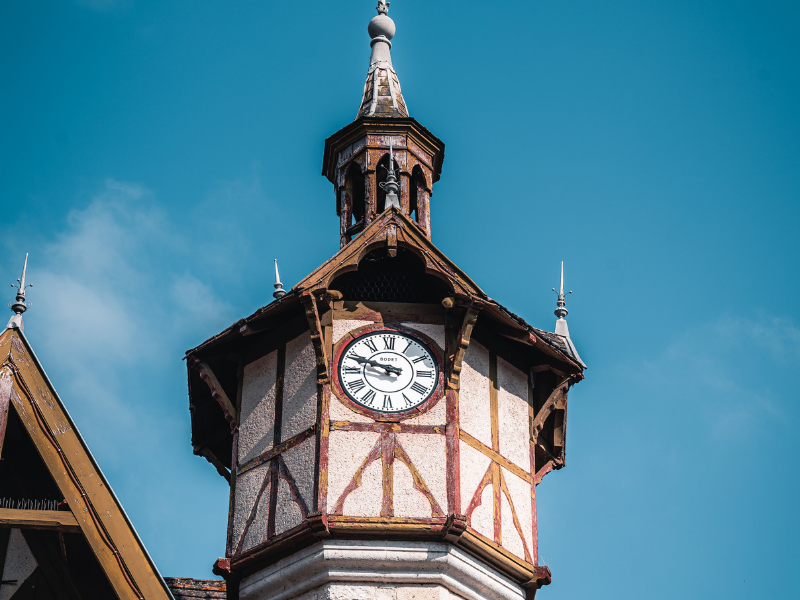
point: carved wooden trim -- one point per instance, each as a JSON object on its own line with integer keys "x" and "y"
{"x": 6, "y": 384}
{"x": 312, "y": 314}
{"x": 462, "y": 343}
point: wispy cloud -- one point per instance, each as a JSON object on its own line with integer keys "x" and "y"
{"x": 115, "y": 298}
{"x": 720, "y": 375}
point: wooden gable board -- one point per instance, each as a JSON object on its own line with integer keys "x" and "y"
{"x": 98, "y": 513}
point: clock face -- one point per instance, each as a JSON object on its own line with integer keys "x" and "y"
{"x": 388, "y": 371}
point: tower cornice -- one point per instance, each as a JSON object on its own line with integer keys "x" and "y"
{"x": 334, "y": 156}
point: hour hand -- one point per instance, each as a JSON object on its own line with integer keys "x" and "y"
{"x": 374, "y": 363}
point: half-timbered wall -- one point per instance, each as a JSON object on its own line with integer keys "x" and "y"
{"x": 381, "y": 469}
{"x": 497, "y": 493}
{"x": 276, "y": 458}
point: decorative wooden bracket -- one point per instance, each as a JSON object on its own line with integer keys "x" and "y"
{"x": 455, "y": 527}
{"x": 557, "y": 399}
{"x": 470, "y": 317}
{"x": 312, "y": 314}
{"x": 207, "y": 375}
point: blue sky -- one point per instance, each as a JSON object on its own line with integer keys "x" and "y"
{"x": 158, "y": 155}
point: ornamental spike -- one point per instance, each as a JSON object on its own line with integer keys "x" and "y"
{"x": 279, "y": 291}
{"x": 561, "y": 307}
{"x": 20, "y": 305}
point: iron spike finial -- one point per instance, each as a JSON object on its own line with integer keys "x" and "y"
{"x": 561, "y": 307}
{"x": 391, "y": 186}
{"x": 279, "y": 291}
{"x": 20, "y": 305}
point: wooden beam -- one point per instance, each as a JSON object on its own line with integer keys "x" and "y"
{"x": 462, "y": 343}
{"x": 59, "y": 520}
{"x": 207, "y": 375}
{"x": 316, "y": 336}
{"x": 495, "y": 456}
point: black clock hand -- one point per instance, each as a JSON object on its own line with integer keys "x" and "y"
{"x": 387, "y": 368}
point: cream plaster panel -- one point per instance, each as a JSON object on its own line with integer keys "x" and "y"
{"x": 343, "y": 326}
{"x": 248, "y": 485}
{"x": 408, "y": 501}
{"x": 473, "y": 399}
{"x": 474, "y": 465}
{"x": 429, "y": 455}
{"x": 482, "y": 519}
{"x": 19, "y": 564}
{"x": 257, "y": 418}
{"x": 287, "y": 513}
{"x": 301, "y": 463}
{"x": 346, "y": 452}
{"x": 367, "y": 499}
{"x": 513, "y": 416}
{"x": 520, "y": 491}
{"x": 508, "y": 533}
{"x": 435, "y": 416}
{"x": 435, "y": 332}
{"x": 299, "y": 387}
{"x": 340, "y": 412}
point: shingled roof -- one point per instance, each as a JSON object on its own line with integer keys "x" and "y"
{"x": 183, "y": 588}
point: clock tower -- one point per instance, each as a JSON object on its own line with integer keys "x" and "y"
{"x": 384, "y": 424}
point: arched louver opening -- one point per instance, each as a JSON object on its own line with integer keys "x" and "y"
{"x": 353, "y": 203}
{"x": 416, "y": 192}
{"x": 381, "y": 278}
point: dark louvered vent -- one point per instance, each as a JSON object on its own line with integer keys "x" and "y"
{"x": 381, "y": 278}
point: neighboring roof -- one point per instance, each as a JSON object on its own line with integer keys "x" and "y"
{"x": 93, "y": 507}
{"x": 183, "y": 588}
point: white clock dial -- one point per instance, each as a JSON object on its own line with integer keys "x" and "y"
{"x": 388, "y": 371}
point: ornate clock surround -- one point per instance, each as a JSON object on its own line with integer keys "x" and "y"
{"x": 386, "y": 417}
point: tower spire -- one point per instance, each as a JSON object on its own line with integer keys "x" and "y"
{"x": 20, "y": 305}
{"x": 561, "y": 311}
{"x": 382, "y": 96}
{"x": 279, "y": 291}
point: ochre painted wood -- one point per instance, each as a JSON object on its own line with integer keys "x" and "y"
{"x": 59, "y": 520}
{"x": 100, "y": 518}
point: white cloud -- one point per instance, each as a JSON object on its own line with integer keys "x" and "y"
{"x": 722, "y": 375}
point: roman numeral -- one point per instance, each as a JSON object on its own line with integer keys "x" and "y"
{"x": 418, "y": 388}
{"x": 368, "y": 397}
{"x": 352, "y": 370}
{"x": 356, "y": 385}
{"x": 387, "y": 403}
{"x": 425, "y": 374}
{"x": 371, "y": 345}
{"x": 407, "y": 347}
{"x": 419, "y": 359}
{"x": 388, "y": 342}
{"x": 408, "y": 402}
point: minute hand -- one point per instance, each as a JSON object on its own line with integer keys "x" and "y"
{"x": 374, "y": 363}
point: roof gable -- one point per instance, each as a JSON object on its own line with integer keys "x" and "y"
{"x": 391, "y": 229}
{"x": 94, "y": 510}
